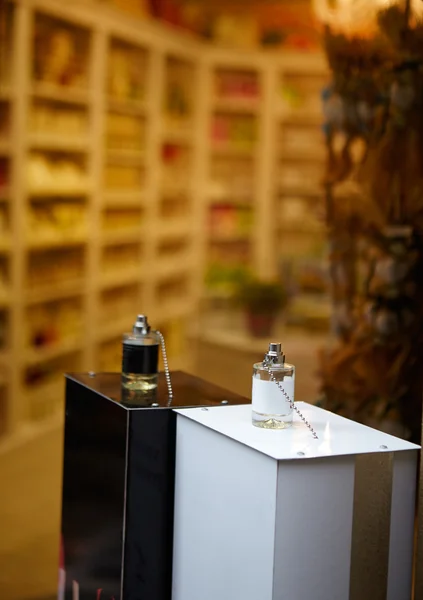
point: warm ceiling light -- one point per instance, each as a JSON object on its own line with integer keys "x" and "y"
{"x": 351, "y": 17}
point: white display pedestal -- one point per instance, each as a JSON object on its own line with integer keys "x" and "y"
{"x": 265, "y": 515}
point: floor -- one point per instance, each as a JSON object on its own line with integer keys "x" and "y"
{"x": 29, "y": 517}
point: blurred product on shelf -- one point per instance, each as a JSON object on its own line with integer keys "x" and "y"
{"x": 178, "y": 106}
{"x": 56, "y": 120}
{"x": 299, "y": 94}
{"x": 176, "y": 173}
{"x": 127, "y": 72}
{"x": 234, "y": 131}
{"x": 54, "y": 323}
{"x": 123, "y": 176}
{"x": 230, "y": 222}
{"x": 236, "y": 85}
{"x": 231, "y": 179}
{"x": 115, "y": 258}
{"x": 55, "y": 174}
{"x": 119, "y": 302}
{"x": 60, "y": 52}
{"x": 124, "y": 132}
{"x": 51, "y": 268}
{"x": 118, "y": 219}
{"x": 57, "y": 221}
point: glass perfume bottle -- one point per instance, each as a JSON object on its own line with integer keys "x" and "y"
{"x": 140, "y": 359}
{"x": 271, "y": 409}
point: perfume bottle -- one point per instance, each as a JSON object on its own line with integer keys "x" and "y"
{"x": 271, "y": 407}
{"x": 140, "y": 357}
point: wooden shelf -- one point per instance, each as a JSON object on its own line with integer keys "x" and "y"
{"x": 65, "y": 192}
{"x": 124, "y": 199}
{"x": 53, "y": 141}
{"x": 55, "y": 93}
{"x": 66, "y": 289}
{"x": 230, "y": 149}
{"x": 175, "y": 228}
{"x": 121, "y": 277}
{"x": 92, "y": 106}
{"x": 35, "y": 356}
{"x": 120, "y": 236}
{"x": 127, "y": 107}
{"x": 59, "y": 242}
{"x": 114, "y": 329}
{"x": 237, "y": 105}
{"x": 121, "y": 155}
{"x": 182, "y": 134}
{"x": 178, "y": 264}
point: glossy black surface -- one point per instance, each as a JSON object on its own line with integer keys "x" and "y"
{"x": 118, "y": 484}
{"x": 188, "y": 391}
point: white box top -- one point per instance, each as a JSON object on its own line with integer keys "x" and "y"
{"x": 337, "y": 436}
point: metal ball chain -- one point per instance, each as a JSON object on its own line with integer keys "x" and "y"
{"x": 166, "y": 368}
{"x": 291, "y": 403}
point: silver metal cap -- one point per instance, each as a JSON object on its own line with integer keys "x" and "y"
{"x": 141, "y": 325}
{"x": 275, "y": 354}
{"x": 275, "y": 348}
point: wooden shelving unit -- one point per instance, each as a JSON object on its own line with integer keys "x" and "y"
{"x": 94, "y": 223}
{"x": 126, "y": 176}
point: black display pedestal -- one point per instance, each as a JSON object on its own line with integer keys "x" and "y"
{"x": 118, "y": 485}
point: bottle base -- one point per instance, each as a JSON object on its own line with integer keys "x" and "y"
{"x": 139, "y": 383}
{"x": 276, "y": 422}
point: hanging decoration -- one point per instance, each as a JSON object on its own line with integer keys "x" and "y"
{"x": 373, "y": 123}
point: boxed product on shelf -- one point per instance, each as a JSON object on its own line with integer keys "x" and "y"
{"x": 54, "y": 323}
{"x": 176, "y": 176}
{"x": 228, "y": 221}
{"x": 178, "y": 205}
{"x": 47, "y": 268}
{"x": 235, "y": 130}
{"x": 50, "y": 221}
{"x": 302, "y": 141}
{"x": 123, "y": 176}
{"x": 60, "y": 52}
{"x": 125, "y": 132}
{"x": 178, "y": 102}
{"x": 55, "y": 173}
{"x": 231, "y": 178}
{"x": 127, "y": 71}
{"x": 237, "y": 84}
{"x": 301, "y": 94}
{"x": 121, "y": 256}
{"x": 301, "y": 175}
{"x": 55, "y": 119}
{"x": 117, "y": 219}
